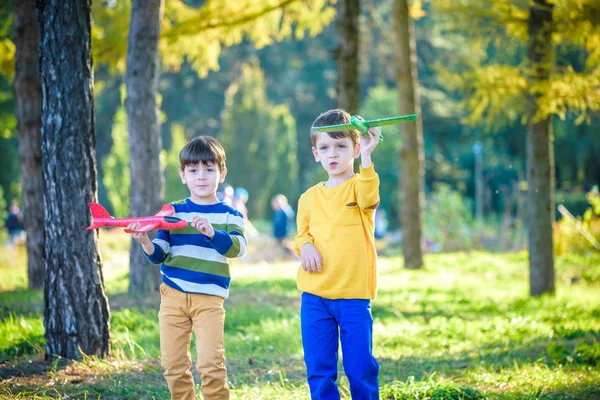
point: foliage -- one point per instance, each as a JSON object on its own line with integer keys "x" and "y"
{"x": 7, "y": 47}
{"x": 301, "y": 74}
{"x": 110, "y": 27}
{"x": 494, "y": 82}
{"x": 116, "y": 167}
{"x": 10, "y": 171}
{"x": 3, "y": 216}
{"x": 447, "y": 220}
{"x": 285, "y": 146}
{"x": 198, "y": 35}
{"x": 575, "y": 201}
{"x": 174, "y": 189}
{"x": 258, "y": 138}
{"x": 463, "y": 328}
{"x": 568, "y": 238}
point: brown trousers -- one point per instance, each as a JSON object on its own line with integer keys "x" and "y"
{"x": 179, "y": 314}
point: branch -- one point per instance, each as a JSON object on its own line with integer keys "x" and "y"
{"x": 196, "y": 22}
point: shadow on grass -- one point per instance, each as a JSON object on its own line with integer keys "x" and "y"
{"x": 32, "y": 368}
{"x": 584, "y": 351}
{"x": 78, "y": 380}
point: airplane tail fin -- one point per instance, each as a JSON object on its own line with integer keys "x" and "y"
{"x": 98, "y": 212}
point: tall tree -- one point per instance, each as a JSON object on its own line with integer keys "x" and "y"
{"x": 540, "y": 160}
{"x": 76, "y": 313}
{"x": 411, "y": 153}
{"x": 28, "y": 94}
{"x": 145, "y": 143}
{"x": 347, "y": 55}
{"x": 500, "y": 93}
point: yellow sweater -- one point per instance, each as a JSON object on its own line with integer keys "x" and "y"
{"x": 339, "y": 222}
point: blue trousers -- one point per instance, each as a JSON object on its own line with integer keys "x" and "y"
{"x": 324, "y": 322}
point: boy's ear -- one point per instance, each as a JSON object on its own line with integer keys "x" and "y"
{"x": 356, "y": 150}
{"x": 181, "y": 175}
{"x": 223, "y": 175}
{"x": 314, "y": 151}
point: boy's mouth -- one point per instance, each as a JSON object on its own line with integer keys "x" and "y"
{"x": 333, "y": 164}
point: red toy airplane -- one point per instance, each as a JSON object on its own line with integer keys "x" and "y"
{"x": 162, "y": 220}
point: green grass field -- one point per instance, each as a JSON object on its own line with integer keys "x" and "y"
{"x": 463, "y": 328}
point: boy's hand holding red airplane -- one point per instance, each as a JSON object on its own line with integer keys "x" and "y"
{"x": 203, "y": 225}
{"x": 141, "y": 237}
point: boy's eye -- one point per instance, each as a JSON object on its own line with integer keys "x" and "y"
{"x": 323, "y": 148}
{"x": 342, "y": 146}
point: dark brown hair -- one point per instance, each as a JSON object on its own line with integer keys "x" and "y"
{"x": 334, "y": 117}
{"x": 202, "y": 149}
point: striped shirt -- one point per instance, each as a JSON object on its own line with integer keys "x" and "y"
{"x": 193, "y": 263}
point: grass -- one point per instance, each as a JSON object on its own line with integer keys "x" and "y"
{"x": 462, "y": 328}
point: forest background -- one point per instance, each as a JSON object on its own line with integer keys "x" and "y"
{"x": 507, "y": 93}
{"x": 260, "y": 101}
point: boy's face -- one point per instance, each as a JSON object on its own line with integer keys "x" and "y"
{"x": 336, "y": 155}
{"x": 203, "y": 180}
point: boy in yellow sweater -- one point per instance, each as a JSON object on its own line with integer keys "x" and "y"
{"x": 338, "y": 273}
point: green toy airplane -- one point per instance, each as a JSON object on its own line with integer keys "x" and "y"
{"x": 360, "y": 124}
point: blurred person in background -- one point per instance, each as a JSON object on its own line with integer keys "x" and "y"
{"x": 15, "y": 224}
{"x": 225, "y": 194}
{"x": 282, "y": 215}
{"x": 240, "y": 198}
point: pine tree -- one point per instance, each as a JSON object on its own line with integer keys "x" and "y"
{"x": 76, "y": 313}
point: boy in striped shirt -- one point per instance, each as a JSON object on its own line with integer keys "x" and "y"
{"x": 195, "y": 273}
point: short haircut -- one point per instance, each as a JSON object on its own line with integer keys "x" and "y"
{"x": 334, "y": 117}
{"x": 202, "y": 149}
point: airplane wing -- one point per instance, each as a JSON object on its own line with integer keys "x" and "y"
{"x": 144, "y": 227}
{"x": 370, "y": 123}
{"x": 390, "y": 121}
{"x": 333, "y": 128}
{"x": 166, "y": 209}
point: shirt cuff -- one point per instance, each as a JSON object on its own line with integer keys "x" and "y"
{"x": 369, "y": 171}
{"x": 157, "y": 257}
{"x": 221, "y": 241}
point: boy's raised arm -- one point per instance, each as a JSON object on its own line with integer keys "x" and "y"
{"x": 367, "y": 188}
{"x": 367, "y": 184}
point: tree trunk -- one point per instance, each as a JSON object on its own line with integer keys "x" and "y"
{"x": 28, "y": 94}
{"x": 76, "y": 313}
{"x": 347, "y": 56}
{"x": 145, "y": 143}
{"x": 411, "y": 154}
{"x": 540, "y": 207}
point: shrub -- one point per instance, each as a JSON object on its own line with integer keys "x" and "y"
{"x": 448, "y": 220}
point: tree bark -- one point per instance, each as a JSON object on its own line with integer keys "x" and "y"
{"x": 145, "y": 142}
{"x": 76, "y": 312}
{"x": 540, "y": 160}
{"x": 28, "y": 94}
{"x": 347, "y": 56}
{"x": 411, "y": 153}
